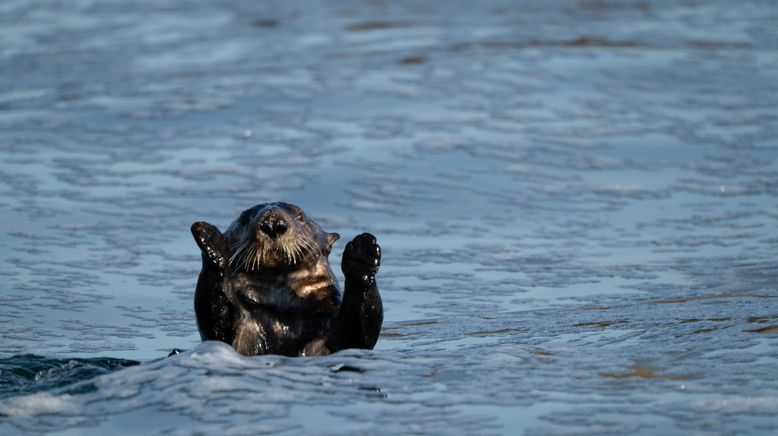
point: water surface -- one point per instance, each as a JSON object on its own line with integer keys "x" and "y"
{"x": 576, "y": 201}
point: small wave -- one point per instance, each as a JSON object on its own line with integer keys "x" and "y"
{"x": 27, "y": 374}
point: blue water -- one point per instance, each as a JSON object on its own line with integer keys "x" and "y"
{"x": 25, "y": 374}
{"x": 576, "y": 201}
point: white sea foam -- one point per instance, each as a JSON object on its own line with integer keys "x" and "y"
{"x": 38, "y": 404}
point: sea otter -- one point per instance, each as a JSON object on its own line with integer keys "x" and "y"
{"x": 266, "y": 286}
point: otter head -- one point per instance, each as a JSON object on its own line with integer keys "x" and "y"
{"x": 276, "y": 236}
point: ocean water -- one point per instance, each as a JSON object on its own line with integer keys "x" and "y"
{"x": 577, "y": 203}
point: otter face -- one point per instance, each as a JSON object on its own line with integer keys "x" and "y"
{"x": 276, "y": 236}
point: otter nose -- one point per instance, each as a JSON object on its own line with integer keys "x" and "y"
{"x": 273, "y": 226}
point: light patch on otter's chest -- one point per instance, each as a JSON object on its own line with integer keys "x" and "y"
{"x": 302, "y": 290}
{"x": 315, "y": 282}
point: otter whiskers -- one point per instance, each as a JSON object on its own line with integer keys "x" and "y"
{"x": 250, "y": 255}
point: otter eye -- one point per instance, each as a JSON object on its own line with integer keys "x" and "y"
{"x": 300, "y": 217}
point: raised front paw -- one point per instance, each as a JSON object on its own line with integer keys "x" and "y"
{"x": 212, "y": 243}
{"x": 361, "y": 259}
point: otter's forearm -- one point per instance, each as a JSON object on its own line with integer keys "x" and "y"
{"x": 214, "y": 311}
{"x": 361, "y": 314}
{"x": 359, "y": 320}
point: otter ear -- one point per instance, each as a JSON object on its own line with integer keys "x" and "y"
{"x": 331, "y": 238}
{"x": 212, "y": 244}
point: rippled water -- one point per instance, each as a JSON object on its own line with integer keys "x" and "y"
{"x": 576, "y": 201}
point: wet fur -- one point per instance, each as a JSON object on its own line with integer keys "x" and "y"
{"x": 278, "y": 295}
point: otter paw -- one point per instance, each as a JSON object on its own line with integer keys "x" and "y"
{"x": 361, "y": 259}
{"x": 211, "y": 242}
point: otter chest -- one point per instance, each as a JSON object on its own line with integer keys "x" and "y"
{"x": 275, "y": 319}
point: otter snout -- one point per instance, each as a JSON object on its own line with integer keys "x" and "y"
{"x": 273, "y": 225}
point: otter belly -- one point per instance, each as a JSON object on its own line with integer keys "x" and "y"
{"x": 260, "y": 332}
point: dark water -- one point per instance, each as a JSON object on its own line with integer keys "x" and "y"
{"x": 577, "y": 204}
{"x": 26, "y": 374}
